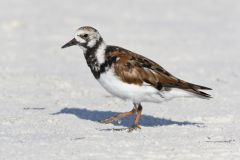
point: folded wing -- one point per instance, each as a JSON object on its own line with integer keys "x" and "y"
{"x": 136, "y": 69}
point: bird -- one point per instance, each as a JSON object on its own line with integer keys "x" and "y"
{"x": 130, "y": 76}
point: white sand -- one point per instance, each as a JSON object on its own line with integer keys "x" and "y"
{"x": 50, "y": 102}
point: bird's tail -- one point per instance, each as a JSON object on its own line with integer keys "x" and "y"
{"x": 196, "y": 89}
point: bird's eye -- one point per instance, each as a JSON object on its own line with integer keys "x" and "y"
{"x": 85, "y": 35}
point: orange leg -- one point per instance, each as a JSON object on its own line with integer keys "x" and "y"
{"x": 137, "y": 118}
{"x": 119, "y": 116}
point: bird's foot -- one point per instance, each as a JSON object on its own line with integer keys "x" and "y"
{"x": 134, "y": 127}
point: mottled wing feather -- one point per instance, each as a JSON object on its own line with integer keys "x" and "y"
{"x": 136, "y": 69}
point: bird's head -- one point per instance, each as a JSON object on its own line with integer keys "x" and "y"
{"x": 85, "y": 37}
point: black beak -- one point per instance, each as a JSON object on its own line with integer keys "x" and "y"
{"x": 70, "y": 43}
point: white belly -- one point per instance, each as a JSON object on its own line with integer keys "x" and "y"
{"x": 137, "y": 93}
{"x": 132, "y": 92}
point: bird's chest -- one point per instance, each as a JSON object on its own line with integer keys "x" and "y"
{"x": 112, "y": 84}
{"x": 93, "y": 64}
{"x": 97, "y": 68}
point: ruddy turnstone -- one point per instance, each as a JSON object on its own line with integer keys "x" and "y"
{"x": 130, "y": 76}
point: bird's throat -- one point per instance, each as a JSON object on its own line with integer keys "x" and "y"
{"x": 95, "y": 57}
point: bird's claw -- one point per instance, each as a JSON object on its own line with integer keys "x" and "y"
{"x": 134, "y": 127}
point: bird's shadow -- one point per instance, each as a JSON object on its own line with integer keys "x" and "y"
{"x": 146, "y": 120}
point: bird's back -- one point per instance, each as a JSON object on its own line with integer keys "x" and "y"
{"x": 136, "y": 69}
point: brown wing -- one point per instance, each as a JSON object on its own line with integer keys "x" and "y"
{"x": 136, "y": 69}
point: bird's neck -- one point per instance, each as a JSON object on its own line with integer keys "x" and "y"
{"x": 95, "y": 57}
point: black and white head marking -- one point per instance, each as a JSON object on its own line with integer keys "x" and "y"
{"x": 94, "y": 49}
{"x": 87, "y": 37}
